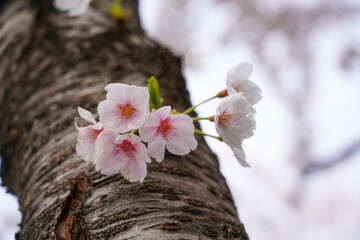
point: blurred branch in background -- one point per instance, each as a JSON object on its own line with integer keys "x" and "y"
{"x": 318, "y": 166}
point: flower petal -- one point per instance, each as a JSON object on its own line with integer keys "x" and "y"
{"x": 238, "y": 82}
{"x": 157, "y": 148}
{"x": 107, "y": 162}
{"x": 139, "y": 97}
{"x": 239, "y": 72}
{"x": 87, "y": 115}
{"x": 80, "y": 10}
{"x": 183, "y": 123}
{"x": 147, "y": 133}
{"x": 134, "y": 168}
{"x": 65, "y": 5}
{"x": 105, "y": 140}
{"x": 240, "y": 155}
{"x": 106, "y": 158}
{"x": 85, "y": 146}
{"x": 75, "y": 7}
{"x": 116, "y": 92}
{"x": 137, "y": 119}
{"x": 181, "y": 144}
{"x": 252, "y": 92}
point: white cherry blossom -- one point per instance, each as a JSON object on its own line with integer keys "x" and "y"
{"x": 234, "y": 122}
{"x": 238, "y": 82}
{"x": 121, "y": 153}
{"x": 125, "y": 108}
{"x": 85, "y": 146}
{"x": 73, "y": 7}
{"x": 173, "y": 131}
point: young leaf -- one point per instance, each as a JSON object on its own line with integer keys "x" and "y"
{"x": 153, "y": 87}
{"x": 117, "y": 11}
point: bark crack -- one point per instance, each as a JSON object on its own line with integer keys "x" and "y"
{"x": 69, "y": 225}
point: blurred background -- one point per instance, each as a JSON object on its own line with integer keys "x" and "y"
{"x": 304, "y": 180}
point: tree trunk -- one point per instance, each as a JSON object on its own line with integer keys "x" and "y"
{"x": 49, "y": 65}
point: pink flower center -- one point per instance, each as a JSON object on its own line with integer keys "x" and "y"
{"x": 165, "y": 128}
{"x": 125, "y": 147}
{"x": 125, "y": 110}
{"x": 95, "y": 133}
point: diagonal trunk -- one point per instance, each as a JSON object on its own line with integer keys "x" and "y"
{"x": 49, "y": 65}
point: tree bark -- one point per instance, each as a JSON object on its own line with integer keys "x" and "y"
{"x": 49, "y": 65}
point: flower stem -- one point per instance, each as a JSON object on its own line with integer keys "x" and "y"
{"x": 201, "y": 118}
{"x": 221, "y": 94}
{"x": 209, "y": 135}
{"x": 189, "y": 110}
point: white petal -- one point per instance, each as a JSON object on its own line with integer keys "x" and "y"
{"x": 131, "y": 137}
{"x": 153, "y": 119}
{"x": 229, "y": 136}
{"x": 181, "y": 143}
{"x": 157, "y": 148}
{"x": 252, "y": 92}
{"x": 139, "y": 97}
{"x": 106, "y": 160}
{"x": 98, "y": 126}
{"x": 75, "y": 7}
{"x": 161, "y": 114}
{"x": 105, "y": 140}
{"x": 240, "y": 155}
{"x": 116, "y": 92}
{"x": 65, "y": 5}
{"x": 239, "y": 73}
{"x": 237, "y": 81}
{"x": 80, "y": 10}
{"x": 136, "y": 120}
{"x": 135, "y": 167}
{"x": 183, "y": 123}
{"x": 84, "y": 146}
{"x": 87, "y": 115}
{"x": 147, "y": 133}
{"x": 134, "y": 170}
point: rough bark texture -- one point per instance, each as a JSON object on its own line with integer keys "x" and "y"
{"x": 49, "y": 65}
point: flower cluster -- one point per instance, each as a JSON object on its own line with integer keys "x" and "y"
{"x": 113, "y": 146}
{"x": 111, "y": 143}
{"x": 234, "y": 118}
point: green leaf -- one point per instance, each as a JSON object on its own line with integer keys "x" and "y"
{"x": 153, "y": 87}
{"x": 117, "y": 11}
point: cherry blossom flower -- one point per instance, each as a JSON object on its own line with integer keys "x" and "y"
{"x": 173, "y": 131}
{"x": 234, "y": 122}
{"x": 74, "y": 7}
{"x": 121, "y": 153}
{"x": 238, "y": 82}
{"x": 85, "y": 146}
{"x": 125, "y": 108}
